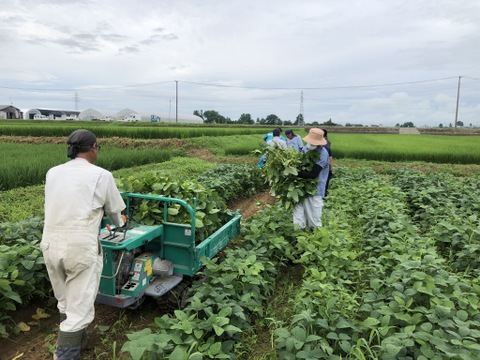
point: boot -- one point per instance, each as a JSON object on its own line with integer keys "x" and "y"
{"x": 69, "y": 345}
{"x": 85, "y": 344}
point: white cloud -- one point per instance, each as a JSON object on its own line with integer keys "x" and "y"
{"x": 118, "y": 53}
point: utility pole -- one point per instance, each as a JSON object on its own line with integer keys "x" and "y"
{"x": 169, "y": 109}
{"x": 458, "y": 100}
{"x": 176, "y": 101}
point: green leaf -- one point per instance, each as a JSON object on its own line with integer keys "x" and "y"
{"x": 215, "y": 348}
{"x": 14, "y": 296}
{"x": 172, "y": 211}
{"x": 4, "y": 283}
{"x": 427, "y": 327}
{"x": 392, "y": 350}
{"x": 462, "y": 315}
{"x": 180, "y": 314}
{"x": 332, "y": 335}
{"x": 299, "y": 333}
{"x": 195, "y": 356}
{"x": 345, "y": 345}
{"x": 218, "y": 330}
{"x": 187, "y": 327}
{"x": 409, "y": 329}
{"x": 178, "y": 353}
{"x": 198, "y": 223}
{"x": 232, "y": 329}
{"x": 369, "y": 323}
{"x": 427, "y": 351}
{"x": 136, "y": 352}
{"x": 14, "y": 273}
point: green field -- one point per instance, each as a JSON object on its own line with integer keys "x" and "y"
{"x": 135, "y": 130}
{"x": 428, "y": 148}
{"x": 26, "y": 164}
{"x": 392, "y": 274}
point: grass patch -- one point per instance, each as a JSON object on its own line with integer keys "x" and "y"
{"x": 228, "y": 145}
{"x": 278, "y": 314}
{"x": 21, "y": 203}
{"x": 178, "y": 167}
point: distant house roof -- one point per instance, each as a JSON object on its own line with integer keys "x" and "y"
{"x": 55, "y": 113}
{"x": 8, "y": 108}
{"x": 10, "y": 112}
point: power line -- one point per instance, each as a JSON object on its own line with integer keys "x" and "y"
{"x": 322, "y": 88}
{"x": 119, "y": 87}
{"x": 471, "y": 78}
{"x": 88, "y": 88}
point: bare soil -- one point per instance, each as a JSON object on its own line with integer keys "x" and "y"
{"x": 108, "y": 330}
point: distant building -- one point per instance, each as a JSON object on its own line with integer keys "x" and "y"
{"x": 128, "y": 115}
{"x": 10, "y": 112}
{"x": 91, "y": 114}
{"x": 45, "y": 114}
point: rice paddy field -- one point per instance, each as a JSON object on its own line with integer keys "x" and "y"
{"x": 397, "y": 148}
{"x": 26, "y": 158}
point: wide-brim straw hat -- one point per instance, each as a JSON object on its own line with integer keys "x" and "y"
{"x": 315, "y": 137}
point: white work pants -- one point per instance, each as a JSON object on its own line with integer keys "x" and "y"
{"x": 74, "y": 267}
{"x": 308, "y": 212}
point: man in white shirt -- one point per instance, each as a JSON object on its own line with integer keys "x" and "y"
{"x": 77, "y": 195}
{"x": 277, "y": 141}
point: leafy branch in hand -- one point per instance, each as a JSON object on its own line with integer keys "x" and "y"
{"x": 281, "y": 173}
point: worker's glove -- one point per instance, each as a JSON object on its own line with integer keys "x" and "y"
{"x": 302, "y": 174}
{"x": 124, "y": 219}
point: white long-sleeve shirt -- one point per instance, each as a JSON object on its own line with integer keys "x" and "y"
{"x": 276, "y": 141}
{"x": 295, "y": 143}
{"x": 77, "y": 194}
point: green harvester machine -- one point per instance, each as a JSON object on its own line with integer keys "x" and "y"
{"x": 151, "y": 260}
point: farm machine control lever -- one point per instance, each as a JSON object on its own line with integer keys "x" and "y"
{"x": 112, "y": 233}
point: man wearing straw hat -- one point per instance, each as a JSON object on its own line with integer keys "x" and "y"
{"x": 309, "y": 211}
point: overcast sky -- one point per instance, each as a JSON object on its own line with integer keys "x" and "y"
{"x": 369, "y": 61}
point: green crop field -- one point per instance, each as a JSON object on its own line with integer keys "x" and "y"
{"x": 392, "y": 274}
{"x": 26, "y": 164}
{"x": 130, "y": 130}
{"x": 428, "y": 148}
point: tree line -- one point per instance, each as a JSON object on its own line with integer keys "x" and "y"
{"x": 214, "y": 117}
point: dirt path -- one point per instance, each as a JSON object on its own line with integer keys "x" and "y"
{"x": 110, "y": 325}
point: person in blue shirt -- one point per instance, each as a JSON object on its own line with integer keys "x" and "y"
{"x": 293, "y": 141}
{"x": 309, "y": 211}
{"x": 267, "y": 137}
